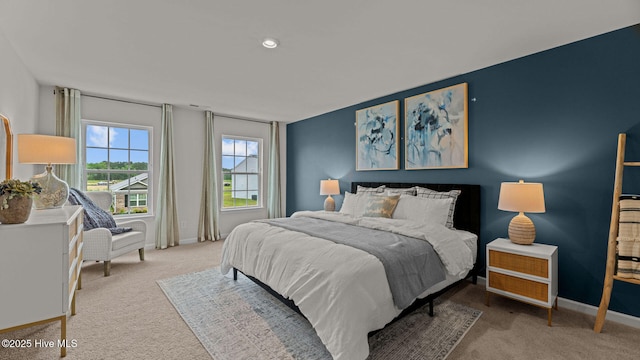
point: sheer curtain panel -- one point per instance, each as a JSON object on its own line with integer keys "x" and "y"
{"x": 209, "y": 215}
{"x": 167, "y": 231}
{"x": 68, "y": 123}
{"x": 274, "y": 208}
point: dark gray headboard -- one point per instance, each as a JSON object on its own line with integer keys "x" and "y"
{"x": 467, "y": 213}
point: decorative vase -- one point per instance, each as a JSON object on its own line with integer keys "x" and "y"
{"x": 18, "y": 211}
{"x": 55, "y": 192}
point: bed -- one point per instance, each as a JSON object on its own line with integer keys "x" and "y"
{"x": 346, "y": 292}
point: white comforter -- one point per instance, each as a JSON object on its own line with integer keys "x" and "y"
{"x": 342, "y": 291}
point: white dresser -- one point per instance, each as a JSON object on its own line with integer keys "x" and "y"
{"x": 40, "y": 263}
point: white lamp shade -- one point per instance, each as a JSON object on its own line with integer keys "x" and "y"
{"x": 46, "y": 149}
{"x": 329, "y": 187}
{"x": 521, "y": 197}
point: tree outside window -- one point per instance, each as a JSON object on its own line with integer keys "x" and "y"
{"x": 118, "y": 159}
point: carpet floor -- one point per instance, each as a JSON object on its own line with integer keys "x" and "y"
{"x": 127, "y": 316}
{"x": 240, "y": 320}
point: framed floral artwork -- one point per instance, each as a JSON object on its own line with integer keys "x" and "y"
{"x": 436, "y": 129}
{"x": 377, "y": 131}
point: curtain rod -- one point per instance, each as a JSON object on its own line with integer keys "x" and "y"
{"x": 160, "y": 106}
{"x": 124, "y": 101}
{"x": 267, "y": 122}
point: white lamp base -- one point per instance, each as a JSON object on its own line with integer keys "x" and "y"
{"x": 54, "y": 191}
{"x": 521, "y": 230}
{"x": 329, "y": 204}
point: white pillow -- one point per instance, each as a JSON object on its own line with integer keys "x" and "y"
{"x": 363, "y": 190}
{"x": 401, "y": 191}
{"x": 356, "y": 204}
{"x": 423, "y": 210}
{"x": 432, "y": 194}
{"x": 349, "y": 203}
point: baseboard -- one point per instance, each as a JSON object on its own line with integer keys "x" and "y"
{"x": 188, "y": 241}
{"x": 589, "y": 309}
{"x": 182, "y": 242}
{"x": 592, "y": 310}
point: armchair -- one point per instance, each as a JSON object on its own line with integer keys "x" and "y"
{"x": 101, "y": 245}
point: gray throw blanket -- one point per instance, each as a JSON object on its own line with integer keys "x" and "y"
{"x": 412, "y": 265}
{"x": 94, "y": 216}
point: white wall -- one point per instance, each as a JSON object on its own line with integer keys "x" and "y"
{"x": 18, "y": 102}
{"x": 189, "y": 132}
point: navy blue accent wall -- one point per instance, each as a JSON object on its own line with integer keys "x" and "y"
{"x": 551, "y": 117}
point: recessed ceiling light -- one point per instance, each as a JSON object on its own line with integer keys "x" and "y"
{"x": 270, "y": 43}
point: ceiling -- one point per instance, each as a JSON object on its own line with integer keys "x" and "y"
{"x": 332, "y": 53}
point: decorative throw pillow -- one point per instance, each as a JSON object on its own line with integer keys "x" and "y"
{"x": 369, "y": 190}
{"x": 381, "y": 206}
{"x": 432, "y": 194}
{"x": 423, "y": 210}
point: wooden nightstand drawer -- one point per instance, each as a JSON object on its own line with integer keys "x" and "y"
{"x": 73, "y": 252}
{"x": 74, "y": 227}
{"x": 527, "y": 273}
{"x": 528, "y": 288}
{"x": 519, "y": 263}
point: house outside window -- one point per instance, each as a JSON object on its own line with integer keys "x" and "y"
{"x": 118, "y": 159}
{"x": 241, "y": 172}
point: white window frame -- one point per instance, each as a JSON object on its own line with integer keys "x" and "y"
{"x": 85, "y": 123}
{"x": 260, "y": 203}
{"x": 137, "y": 198}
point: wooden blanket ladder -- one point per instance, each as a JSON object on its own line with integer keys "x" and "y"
{"x": 610, "y": 275}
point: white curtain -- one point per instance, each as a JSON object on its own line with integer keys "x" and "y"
{"x": 274, "y": 208}
{"x": 209, "y": 215}
{"x": 68, "y": 123}
{"x": 167, "y": 227}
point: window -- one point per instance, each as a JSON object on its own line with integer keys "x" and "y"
{"x": 137, "y": 200}
{"x": 241, "y": 172}
{"x": 118, "y": 159}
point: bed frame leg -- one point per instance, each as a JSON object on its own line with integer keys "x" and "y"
{"x": 431, "y": 307}
{"x": 474, "y": 279}
{"x": 235, "y": 274}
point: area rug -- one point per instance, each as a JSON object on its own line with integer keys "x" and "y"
{"x": 240, "y": 320}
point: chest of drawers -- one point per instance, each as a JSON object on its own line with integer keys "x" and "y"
{"x": 40, "y": 263}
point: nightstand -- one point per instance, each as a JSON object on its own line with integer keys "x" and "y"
{"x": 528, "y": 273}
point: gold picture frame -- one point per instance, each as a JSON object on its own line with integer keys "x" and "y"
{"x": 6, "y": 148}
{"x": 436, "y": 129}
{"x": 377, "y": 144}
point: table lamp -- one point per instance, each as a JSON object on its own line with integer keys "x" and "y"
{"x": 46, "y": 149}
{"x": 329, "y": 187}
{"x": 521, "y": 197}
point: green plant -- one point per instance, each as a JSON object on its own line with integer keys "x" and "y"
{"x": 14, "y": 187}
